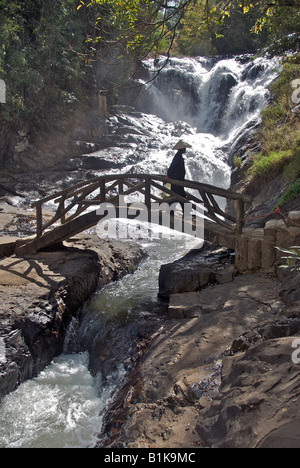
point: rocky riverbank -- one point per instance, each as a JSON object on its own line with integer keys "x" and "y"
{"x": 218, "y": 371}
{"x": 41, "y": 293}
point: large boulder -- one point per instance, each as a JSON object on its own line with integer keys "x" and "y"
{"x": 211, "y": 264}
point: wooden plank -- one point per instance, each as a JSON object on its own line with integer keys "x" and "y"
{"x": 211, "y": 213}
{"x": 218, "y": 210}
{"x": 147, "y": 192}
{"x": 187, "y": 183}
{"x": 170, "y": 192}
{"x": 39, "y": 219}
{"x": 240, "y": 217}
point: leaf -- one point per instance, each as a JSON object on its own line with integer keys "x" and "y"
{"x": 289, "y": 252}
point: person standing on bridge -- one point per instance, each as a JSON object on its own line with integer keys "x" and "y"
{"x": 176, "y": 170}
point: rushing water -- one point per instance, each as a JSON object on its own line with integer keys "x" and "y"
{"x": 215, "y": 106}
{"x": 59, "y": 408}
{"x": 64, "y": 406}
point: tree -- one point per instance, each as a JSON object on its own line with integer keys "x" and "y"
{"x": 42, "y": 59}
{"x": 125, "y": 33}
{"x": 220, "y": 26}
{"x": 279, "y": 17}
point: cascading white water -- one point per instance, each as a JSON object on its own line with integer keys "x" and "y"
{"x": 216, "y": 97}
{"x": 59, "y": 408}
{"x": 217, "y": 103}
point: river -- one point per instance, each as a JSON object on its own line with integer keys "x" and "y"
{"x": 215, "y": 106}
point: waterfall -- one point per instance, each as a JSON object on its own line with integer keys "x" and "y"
{"x": 214, "y": 104}
{"x": 220, "y": 99}
{"x": 214, "y": 96}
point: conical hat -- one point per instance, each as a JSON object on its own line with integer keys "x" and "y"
{"x": 181, "y": 145}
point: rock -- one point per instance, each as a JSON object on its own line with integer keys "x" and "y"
{"x": 186, "y": 305}
{"x": 226, "y": 274}
{"x": 173, "y": 398}
{"x": 212, "y": 264}
{"x": 258, "y": 401}
{"x": 245, "y": 341}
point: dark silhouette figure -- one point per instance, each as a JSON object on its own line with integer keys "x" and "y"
{"x": 177, "y": 171}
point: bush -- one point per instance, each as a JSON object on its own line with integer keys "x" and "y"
{"x": 290, "y": 193}
{"x": 269, "y": 165}
{"x": 292, "y": 171}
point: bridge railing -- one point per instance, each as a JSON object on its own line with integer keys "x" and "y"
{"x": 73, "y": 201}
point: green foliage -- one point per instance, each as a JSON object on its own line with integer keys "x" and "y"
{"x": 237, "y": 162}
{"x": 197, "y": 30}
{"x": 291, "y": 192}
{"x": 134, "y": 27}
{"x": 237, "y": 26}
{"x": 269, "y": 165}
{"x": 292, "y": 171}
{"x": 279, "y": 132}
{"x": 292, "y": 258}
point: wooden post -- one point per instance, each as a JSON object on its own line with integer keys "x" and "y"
{"x": 102, "y": 191}
{"x": 39, "y": 220}
{"x": 61, "y": 208}
{"x": 148, "y": 196}
{"x": 102, "y": 105}
{"x": 240, "y": 217}
{"x": 147, "y": 192}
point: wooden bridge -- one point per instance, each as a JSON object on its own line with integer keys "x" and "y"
{"x": 75, "y": 204}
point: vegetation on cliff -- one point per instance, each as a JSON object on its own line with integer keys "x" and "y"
{"x": 279, "y": 133}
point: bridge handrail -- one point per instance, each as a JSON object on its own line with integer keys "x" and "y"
{"x": 80, "y": 191}
{"x": 186, "y": 183}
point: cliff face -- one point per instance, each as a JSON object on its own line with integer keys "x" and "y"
{"x": 23, "y": 149}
